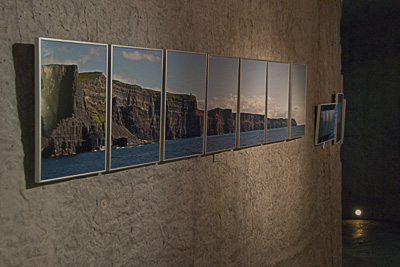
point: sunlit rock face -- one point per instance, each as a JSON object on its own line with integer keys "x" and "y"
{"x": 73, "y": 112}
{"x": 59, "y": 85}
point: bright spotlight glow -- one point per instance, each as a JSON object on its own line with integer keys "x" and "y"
{"x": 358, "y": 212}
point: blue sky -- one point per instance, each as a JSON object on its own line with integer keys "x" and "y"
{"x": 253, "y": 86}
{"x": 223, "y": 82}
{"x": 88, "y": 57}
{"x": 299, "y": 93}
{"x": 138, "y": 66}
{"x": 186, "y": 74}
{"x": 278, "y": 90}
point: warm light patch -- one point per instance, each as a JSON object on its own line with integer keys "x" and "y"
{"x": 358, "y": 212}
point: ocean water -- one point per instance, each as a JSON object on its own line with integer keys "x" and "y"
{"x": 220, "y": 142}
{"x": 81, "y": 163}
{"x": 129, "y": 156}
{"x": 251, "y": 138}
{"x": 183, "y": 147}
{"x": 277, "y": 134}
{"x": 298, "y": 131}
{"x": 95, "y": 161}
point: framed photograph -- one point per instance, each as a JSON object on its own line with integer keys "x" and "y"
{"x": 325, "y": 123}
{"x": 277, "y": 102}
{"x": 339, "y": 100}
{"x": 136, "y": 105}
{"x": 298, "y": 101}
{"x": 252, "y": 100}
{"x": 222, "y": 90}
{"x": 71, "y": 97}
{"x": 185, "y": 102}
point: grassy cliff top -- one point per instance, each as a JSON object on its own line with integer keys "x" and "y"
{"x": 87, "y": 76}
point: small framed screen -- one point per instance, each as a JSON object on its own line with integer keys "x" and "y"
{"x": 326, "y": 123}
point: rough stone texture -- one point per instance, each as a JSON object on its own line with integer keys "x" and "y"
{"x": 371, "y": 149}
{"x": 273, "y": 205}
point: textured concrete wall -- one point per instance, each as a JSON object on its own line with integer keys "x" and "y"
{"x": 371, "y": 152}
{"x": 274, "y": 205}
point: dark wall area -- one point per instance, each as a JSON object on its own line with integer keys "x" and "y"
{"x": 370, "y": 38}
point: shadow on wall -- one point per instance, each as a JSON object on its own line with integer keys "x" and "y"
{"x": 23, "y": 55}
{"x": 24, "y": 65}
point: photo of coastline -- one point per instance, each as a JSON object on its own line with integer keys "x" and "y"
{"x": 339, "y": 98}
{"x": 278, "y": 102}
{"x": 326, "y": 123}
{"x": 252, "y": 101}
{"x": 222, "y": 102}
{"x": 136, "y": 105}
{"x": 298, "y": 107}
{"x": 185, "y": 100}
{"x": 73, "y": 89}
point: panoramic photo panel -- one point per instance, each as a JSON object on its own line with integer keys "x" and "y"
{"x": 339, "y": 99}
{"x": 326, "y": 123}
{"x": 252, "y": 101}
{"x": 136, "y": 105}
{"x": 71, "y": 108}
{"x": 222, "y": 102}
{"x": 185, "y": 100}
{"x": 277, "y": 102}
{"x": 298, "y": 107}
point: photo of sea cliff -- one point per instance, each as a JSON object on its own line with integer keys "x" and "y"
{"x": 252, "y": 101}
{"x": 339, "y": 121}
{"x": 222, "y": 102}
{"x": 327, "y": 123}
{"x": 298, "y": 107}
{"x": 185, "y": 98}
{"x": 278, "y": 102}
{"x": 73, "y": 81}
{"x": 136, "y": 105}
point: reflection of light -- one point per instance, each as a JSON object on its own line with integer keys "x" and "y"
{"x": 358, "y": 212}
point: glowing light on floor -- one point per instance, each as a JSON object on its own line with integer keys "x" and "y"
{"x": 358, "y": 212}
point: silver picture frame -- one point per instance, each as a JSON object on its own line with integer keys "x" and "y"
{"x": 278, "y": 84}
{"x": 185, "y": 100}
{"x": 252, "y": 104}
{"x": 137, "y": 96}
{"x": 221, "y": 103}
{"x": 297, "y": 101}
{"x": 70, "y": 108}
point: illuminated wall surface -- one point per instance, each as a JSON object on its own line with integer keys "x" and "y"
{"x": 371, "y": 149}
{"x": 270, "y": 205}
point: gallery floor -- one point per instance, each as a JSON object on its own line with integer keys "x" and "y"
{"x": 371, "y": 243}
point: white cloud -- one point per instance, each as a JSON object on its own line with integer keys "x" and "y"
{"x": 122, "y": 77}
{"x": 298, "y": 113}
{"x": 55, "y": 60}
{"x": 222, "y": 102}
{"x": 275, "y": 111}
{"x": 64, "y": 49}
{"x": 95, "y": 52}
{"x": 252, "y": 104}
{"x": 83, "y": 59}
{"x": 137, "y": 56}
{"x": 200, "y": 104}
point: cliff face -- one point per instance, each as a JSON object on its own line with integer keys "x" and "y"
{"x": 73, "y": 114}
{"x": 135, "y": 115}
{"x": 251, "y": 122}
{"x": 183, "y": 118}
{"x": 220, "y": 121}
{"x": 279, "y": 123}
{"x": 73, "y": 111}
